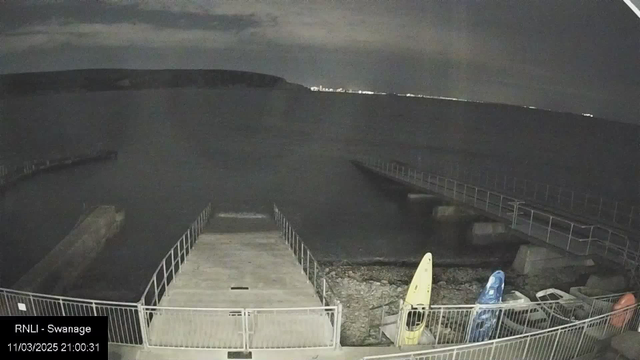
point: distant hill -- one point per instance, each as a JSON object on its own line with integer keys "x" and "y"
{"x": 123, "y": 79}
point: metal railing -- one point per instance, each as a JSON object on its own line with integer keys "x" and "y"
{"x": 573, "y": 237}
{"x": 595, "y": 207}
{"x": 314, "y": 272}
{"x": 452, "y": 324}
{"x": 124, "y": 318}
{"x": 293, "y": 328}
{"x": 569, "y": 341}
{"x": 309, "y": 265}
{"x": 172, "y": 263}
{"x": 240, "y": 328}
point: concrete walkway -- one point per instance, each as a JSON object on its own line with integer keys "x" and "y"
{"x": 230, "y": 273}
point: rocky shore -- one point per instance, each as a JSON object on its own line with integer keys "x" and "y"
{"x": 360, "y": 288}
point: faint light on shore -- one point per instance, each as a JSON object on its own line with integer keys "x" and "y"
{"x": 369, "y": 92}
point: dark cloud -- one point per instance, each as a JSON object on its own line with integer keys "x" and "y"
{"x": 14, "y": 16}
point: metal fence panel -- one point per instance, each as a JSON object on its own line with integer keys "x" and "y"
{"x": 563, "y": 342}
{"x": 292, "y": 328}
{"x": 192, "y": 328}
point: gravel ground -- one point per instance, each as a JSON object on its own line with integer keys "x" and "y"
{"x": 361, "y": 287}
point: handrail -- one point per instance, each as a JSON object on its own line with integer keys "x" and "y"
{"x": 301, "y": 252}
{"x": 56, "y": 297}
{"x": 600, "y": 208}
{"x": 187, "y": 241}
{"x": 557, "y": 231}
{"x": 514, "y": 305}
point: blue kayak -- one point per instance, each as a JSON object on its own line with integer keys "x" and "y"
{"x": 484, "y": 321}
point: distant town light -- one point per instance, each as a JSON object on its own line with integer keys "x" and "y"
{"x": 369, "y": 92}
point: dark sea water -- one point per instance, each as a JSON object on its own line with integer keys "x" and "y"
{"x": 243, "y": 150}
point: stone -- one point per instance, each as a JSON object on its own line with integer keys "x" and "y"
{"x": 533, "y": 259}
{"x": 613, "y": 283}
{"x": 627, "y": 344}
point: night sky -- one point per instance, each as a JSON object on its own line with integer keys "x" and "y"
{"x": 581, "y": 56}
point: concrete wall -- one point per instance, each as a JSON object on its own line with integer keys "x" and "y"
{"x": 488, "y": 233}
{"x": 57, "y": 271}
{"x": 532, "y": 259}
{"x": 450, "y": 213}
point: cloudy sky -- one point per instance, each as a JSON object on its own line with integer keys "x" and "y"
{"x": 581, "y": 56}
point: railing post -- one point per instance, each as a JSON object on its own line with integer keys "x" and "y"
{"x": 555, "y": 345}
{"x": 549, "y": 231}
{"x": 559, "y": 193}
{"x": 584, "y": 330}
{"x": 626, "y": 254}
{"x": 338, "y": 324}
{"x": 439, "y": 325}
{"x": 464, "y": 194}
{"x": 572, "y": 193}
{"x": 155, "y": 288}
{"x": 475, "y": 198}
{"x": 179, "y": 257}
{"x": 95, "y": 312}
{"x": 301, "y": 252}
{"x": 546, "y": 196}
{"x": 308, "y": 264}
{"x": 184, "y": 245}
{"x": 143, "y": 324}
{"x": 173, "y": 266}
{"x": 324, "y": 290}
{"x": 500, "y": 207}
{"x": 570, "y": 233}
{"x": 530, "y": 223}
{"x": 526, "y": 347}
{"x": 62, "y": 307}
{"x": 164, "y": 268}
{"x": 600, "y": 208}
{"x": 455, "y": 183}
{"x": 604, "y": 331}
{"x": 615, "y": 212}
{"x": 245, "y": 330}
{"x": 586, "y": 202}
